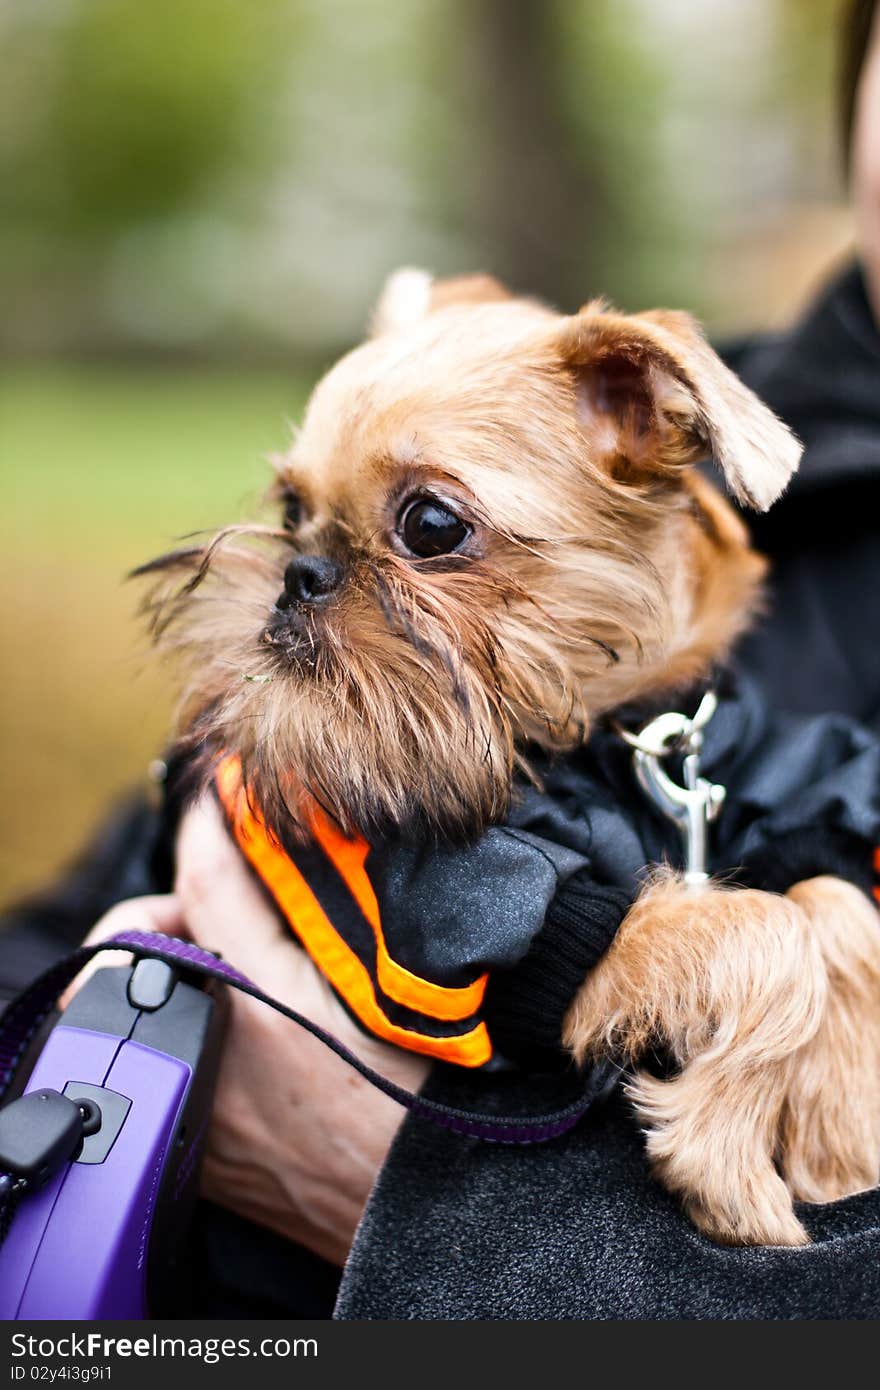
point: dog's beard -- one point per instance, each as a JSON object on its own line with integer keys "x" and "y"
{"x": 396, "y": 708}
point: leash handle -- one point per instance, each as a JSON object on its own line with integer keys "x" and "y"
{"x": 27, "y": 1012}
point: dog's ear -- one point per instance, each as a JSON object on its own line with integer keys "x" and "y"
{"x": 409, "y": 295}
{"x": 655, "y": 397}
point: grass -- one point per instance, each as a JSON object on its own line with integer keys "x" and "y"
{"x": 100, "y": 470}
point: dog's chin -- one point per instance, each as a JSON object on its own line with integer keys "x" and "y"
{"x": 366, "y": 797}
{"x": 308, "y": 739}
{"x": 291, "y": 644}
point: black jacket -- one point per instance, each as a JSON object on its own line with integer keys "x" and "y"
{"x": 577, "y": 1228}
{"x": 817, "y": 648}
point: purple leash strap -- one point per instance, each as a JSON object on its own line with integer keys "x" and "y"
{"x": 24, "y": 1016}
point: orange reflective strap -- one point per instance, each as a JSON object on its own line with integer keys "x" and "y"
{"x": 330, "y": 952}
{"x": 438, "y": 1001}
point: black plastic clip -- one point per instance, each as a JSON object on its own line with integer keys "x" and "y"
{"x": 39, "y": 1133}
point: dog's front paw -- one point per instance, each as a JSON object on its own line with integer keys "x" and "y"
{"x": 830, "y": 1135}
{"x": 732, "y": 984}
{"x": 711, "y": 1143}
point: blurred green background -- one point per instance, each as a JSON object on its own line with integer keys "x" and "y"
{"x": 200, "y": 199}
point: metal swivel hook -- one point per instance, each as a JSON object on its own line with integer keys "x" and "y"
{"x": 692, "y": 806}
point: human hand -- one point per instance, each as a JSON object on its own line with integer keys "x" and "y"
{"x": 297, "y": 1137}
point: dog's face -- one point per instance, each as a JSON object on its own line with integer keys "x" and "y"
{"x": 490, "y": 532}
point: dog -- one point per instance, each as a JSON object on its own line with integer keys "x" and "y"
{"x": 493, "y": 534}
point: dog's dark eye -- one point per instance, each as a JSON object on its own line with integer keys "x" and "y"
{"x": 292, "y": 508}
{"x": 428, "y": 529}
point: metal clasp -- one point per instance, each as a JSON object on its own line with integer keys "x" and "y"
{"x": 698, "y": 802}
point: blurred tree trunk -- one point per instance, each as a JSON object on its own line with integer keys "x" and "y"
{"x": 538, "y": 206}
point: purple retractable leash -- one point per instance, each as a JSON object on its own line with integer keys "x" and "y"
{"x": 99, "y": 1155}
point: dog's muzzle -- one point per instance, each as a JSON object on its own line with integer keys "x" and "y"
{"x": 310, "y": 581}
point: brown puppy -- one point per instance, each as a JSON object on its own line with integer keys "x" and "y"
{"x": 493, "y": 533}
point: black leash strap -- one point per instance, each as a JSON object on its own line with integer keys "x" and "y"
{"x": 29, "y": 1009}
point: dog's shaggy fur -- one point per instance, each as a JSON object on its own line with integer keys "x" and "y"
{"x": 597, "y": 567}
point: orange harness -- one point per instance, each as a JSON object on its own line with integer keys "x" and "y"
{"x": 329, "y": 884}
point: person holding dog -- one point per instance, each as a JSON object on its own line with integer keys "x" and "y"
{"x": 332, "y": 1170}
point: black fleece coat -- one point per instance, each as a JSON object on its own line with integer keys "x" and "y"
{"x": 818, "y": 647}
{"x": 577, "y": 1228}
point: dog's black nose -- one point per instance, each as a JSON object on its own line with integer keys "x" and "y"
{"x": 309, "y": 579}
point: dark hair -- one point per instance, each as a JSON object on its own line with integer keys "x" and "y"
{"x": 858, "y": 22}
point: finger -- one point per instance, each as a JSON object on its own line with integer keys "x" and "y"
{"x": 158, "y": 913}
{"x": 225, "y": 908}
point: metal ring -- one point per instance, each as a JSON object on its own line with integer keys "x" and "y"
{"x": 705, "y": 710}
{"x": 661, "y": 746}
{"x": 670, "y": 742}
